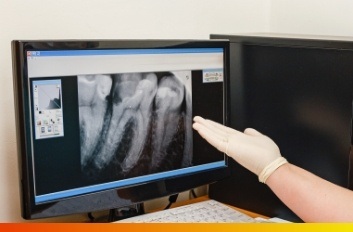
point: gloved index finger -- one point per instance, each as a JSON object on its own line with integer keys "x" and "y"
{"x": 216, "y": 136}
{"x": 216, "y": 127}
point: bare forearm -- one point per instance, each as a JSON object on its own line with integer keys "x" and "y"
{"x": 313, "y": 199}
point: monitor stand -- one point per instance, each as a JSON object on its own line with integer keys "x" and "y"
{"x": 117, "y": 214}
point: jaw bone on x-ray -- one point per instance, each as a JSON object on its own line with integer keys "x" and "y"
{"x": 134, "y": 123}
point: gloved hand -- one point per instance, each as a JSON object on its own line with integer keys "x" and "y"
{"x": 251, "y": 149}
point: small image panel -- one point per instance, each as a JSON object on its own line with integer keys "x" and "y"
{"x": 212, "y": 75}
{"x": 47, "y": 104}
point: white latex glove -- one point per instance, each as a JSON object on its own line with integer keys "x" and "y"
{"x": 251, "y": 149}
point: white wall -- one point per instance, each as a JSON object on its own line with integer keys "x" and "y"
{"x": 108, "y": 19}
{"x": 318, "y": 17}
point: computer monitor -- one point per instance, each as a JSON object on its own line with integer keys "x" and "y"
{"x": 106, "y": 124}
{"x": 298, "y": 90}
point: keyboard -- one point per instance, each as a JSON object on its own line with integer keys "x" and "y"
{"x": 203, "y": 212}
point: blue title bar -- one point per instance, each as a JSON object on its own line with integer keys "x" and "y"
{"x": 122, "y": 52}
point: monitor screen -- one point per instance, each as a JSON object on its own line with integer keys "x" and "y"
{"x": 298, "y": 91}
{"x": 105, "y": 124}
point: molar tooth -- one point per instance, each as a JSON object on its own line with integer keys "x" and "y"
{"x": 169, "y": 97}
{"x": 92, "y": 107}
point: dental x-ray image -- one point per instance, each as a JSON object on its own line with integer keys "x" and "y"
{"x": 134, "y": 123}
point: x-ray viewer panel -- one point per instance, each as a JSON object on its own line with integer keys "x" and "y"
{"x": 47, "y": 105}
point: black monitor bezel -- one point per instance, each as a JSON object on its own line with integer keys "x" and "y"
{"x": 109, "y": 198}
